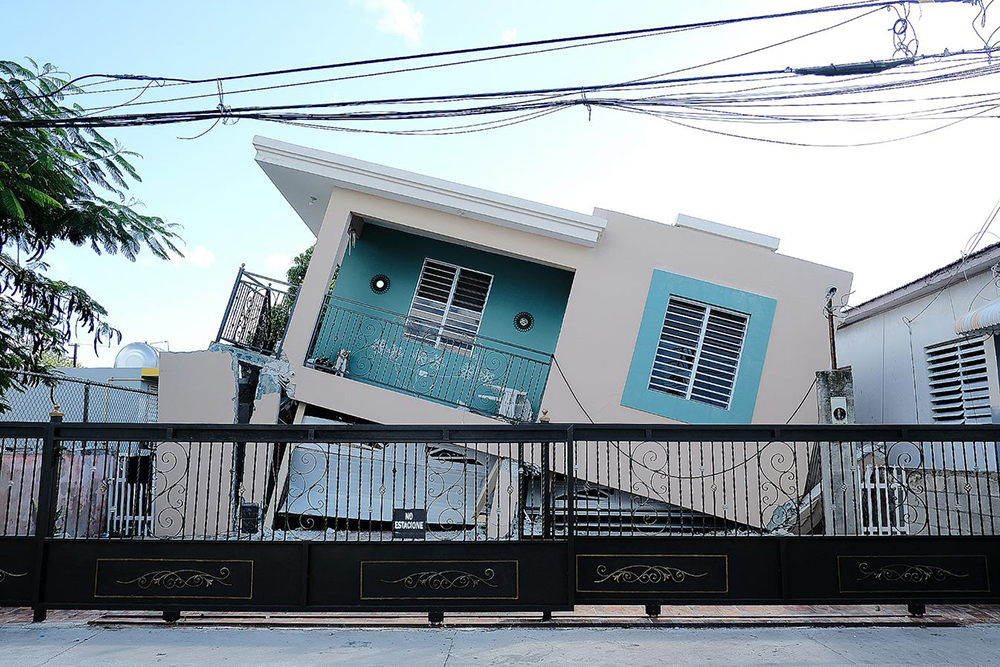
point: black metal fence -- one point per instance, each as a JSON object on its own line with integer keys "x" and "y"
{"x": 476, "y": 373}
{"x": 539, "y": 482}
{"x": 258, "y": 313}
{"x": 79, "y": 400}
{"x": 529, "y": 517}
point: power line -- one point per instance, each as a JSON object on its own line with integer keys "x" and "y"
{"x": 802, "y": 402}
{"x": 516, "y": 101}
{"x": 352, "y": 77}
{"x": 249, "y": 111}
{"x": 496, "y": 47}
{"x": 367, "y": 75}
{"x": 776, "y": 90}
{"x": 815, "y": 145}
{"x": 210, "y": 114}
{"x": 570, "y": 387}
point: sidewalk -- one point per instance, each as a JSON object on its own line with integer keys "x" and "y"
{"x": 584, "y": 616}
{"x": 59, "y": 644}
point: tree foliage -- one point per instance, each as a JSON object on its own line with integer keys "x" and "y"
{"x": 297, "y": 272}
{"x": 282, "y": 312}
{"x": 62, "y": 184}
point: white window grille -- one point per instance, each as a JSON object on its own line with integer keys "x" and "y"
{"x": 698, "y": 355}
{"x": 447, "y": 306}
{"x": 882, "y": 495}
{"x": 959, "y": 389}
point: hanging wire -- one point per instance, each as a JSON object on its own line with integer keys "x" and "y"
{"x": 74, "y": 83}
{"x": 904, "y": 36}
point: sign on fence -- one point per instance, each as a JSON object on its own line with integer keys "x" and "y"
{"x": 409, "y": 524}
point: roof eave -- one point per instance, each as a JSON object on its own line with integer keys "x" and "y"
{"x": 974, "y": 264}
{"x": 339, "y": 171}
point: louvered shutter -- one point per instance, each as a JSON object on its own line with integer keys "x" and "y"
{"x": 448, "y": 305}
{"x": 698, "y": 354}
{"x": 959, "y": 388}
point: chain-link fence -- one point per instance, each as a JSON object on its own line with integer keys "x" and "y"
{"x": 80, "y": 401}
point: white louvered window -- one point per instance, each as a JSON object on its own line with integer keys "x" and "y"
{"x": 960, "y": 392}
{"x": 698, "y": 355}
{"x": 448, "y": 306}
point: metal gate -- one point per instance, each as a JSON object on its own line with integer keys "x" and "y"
{"x": 535, "y": 517}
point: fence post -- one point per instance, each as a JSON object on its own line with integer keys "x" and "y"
{"x": 48, "y": 480}
{"x": 86, "y": 402}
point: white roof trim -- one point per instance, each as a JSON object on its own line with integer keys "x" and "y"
{"x": 367, "y": 177}
{"x": 979, "y": 262}
{"x": 736, "y": 233}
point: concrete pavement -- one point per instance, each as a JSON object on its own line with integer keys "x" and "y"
{"x": 81, "y": 645}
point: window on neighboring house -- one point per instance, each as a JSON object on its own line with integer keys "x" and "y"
{"x": 698, "y": 354}
{"x": 959, "y": 389}
{"x": 448, "y": 306}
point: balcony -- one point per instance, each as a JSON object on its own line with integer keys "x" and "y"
{"x": 482, "y": 375}
{"x": 257, "y": 314}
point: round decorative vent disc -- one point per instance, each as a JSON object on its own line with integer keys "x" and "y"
{"x": 523, "y": 321}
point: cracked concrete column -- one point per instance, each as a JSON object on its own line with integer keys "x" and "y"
{"x": 838, "y": 459}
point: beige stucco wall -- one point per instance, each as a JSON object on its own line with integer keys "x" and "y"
{"x": 197, "y": 388}
{"x": 602, "y": 316}
{"x": 193, "y": 479}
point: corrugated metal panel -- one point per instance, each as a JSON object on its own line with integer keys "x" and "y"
{"x": 982, "y": 320}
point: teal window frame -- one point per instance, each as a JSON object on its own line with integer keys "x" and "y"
{"x": 760, "y": 309}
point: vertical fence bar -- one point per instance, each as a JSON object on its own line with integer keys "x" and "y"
{"x": 570, "y": 515}
{"x": 47, "y": 481}
{"x": 570, "y": 485}
{"x": 546, "y": 493}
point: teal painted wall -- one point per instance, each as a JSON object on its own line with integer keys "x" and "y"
{"x": 381, "y": 355}
{"x": 517, "y": 285}
{"x": 761, "y": 309}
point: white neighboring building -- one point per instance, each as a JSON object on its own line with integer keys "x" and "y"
{"x": 926, "y": 353}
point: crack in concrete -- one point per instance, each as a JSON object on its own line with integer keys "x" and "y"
{"x": 832, "y": 650}
{"x": 450, "y": 647}
{"x": 69, "y": 648}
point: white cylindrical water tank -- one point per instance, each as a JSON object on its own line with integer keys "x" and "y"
{"x": 137, "y": 355}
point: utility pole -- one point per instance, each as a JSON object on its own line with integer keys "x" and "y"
{"x": 831, "y": 292}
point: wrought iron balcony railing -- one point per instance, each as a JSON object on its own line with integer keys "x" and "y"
{"x": 258, "y": 313}
{"x": 482, "y": 375}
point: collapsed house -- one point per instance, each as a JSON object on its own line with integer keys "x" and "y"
{"x": 431, "y": 302}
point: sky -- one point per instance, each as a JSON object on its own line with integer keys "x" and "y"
{"x": 887, "y": 213}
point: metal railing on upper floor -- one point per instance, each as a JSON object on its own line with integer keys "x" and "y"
{"x": 479, "y": 374}
{"x": 257, "y": 313}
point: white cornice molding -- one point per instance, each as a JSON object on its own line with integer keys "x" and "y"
{"x": 434, "y": 193}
